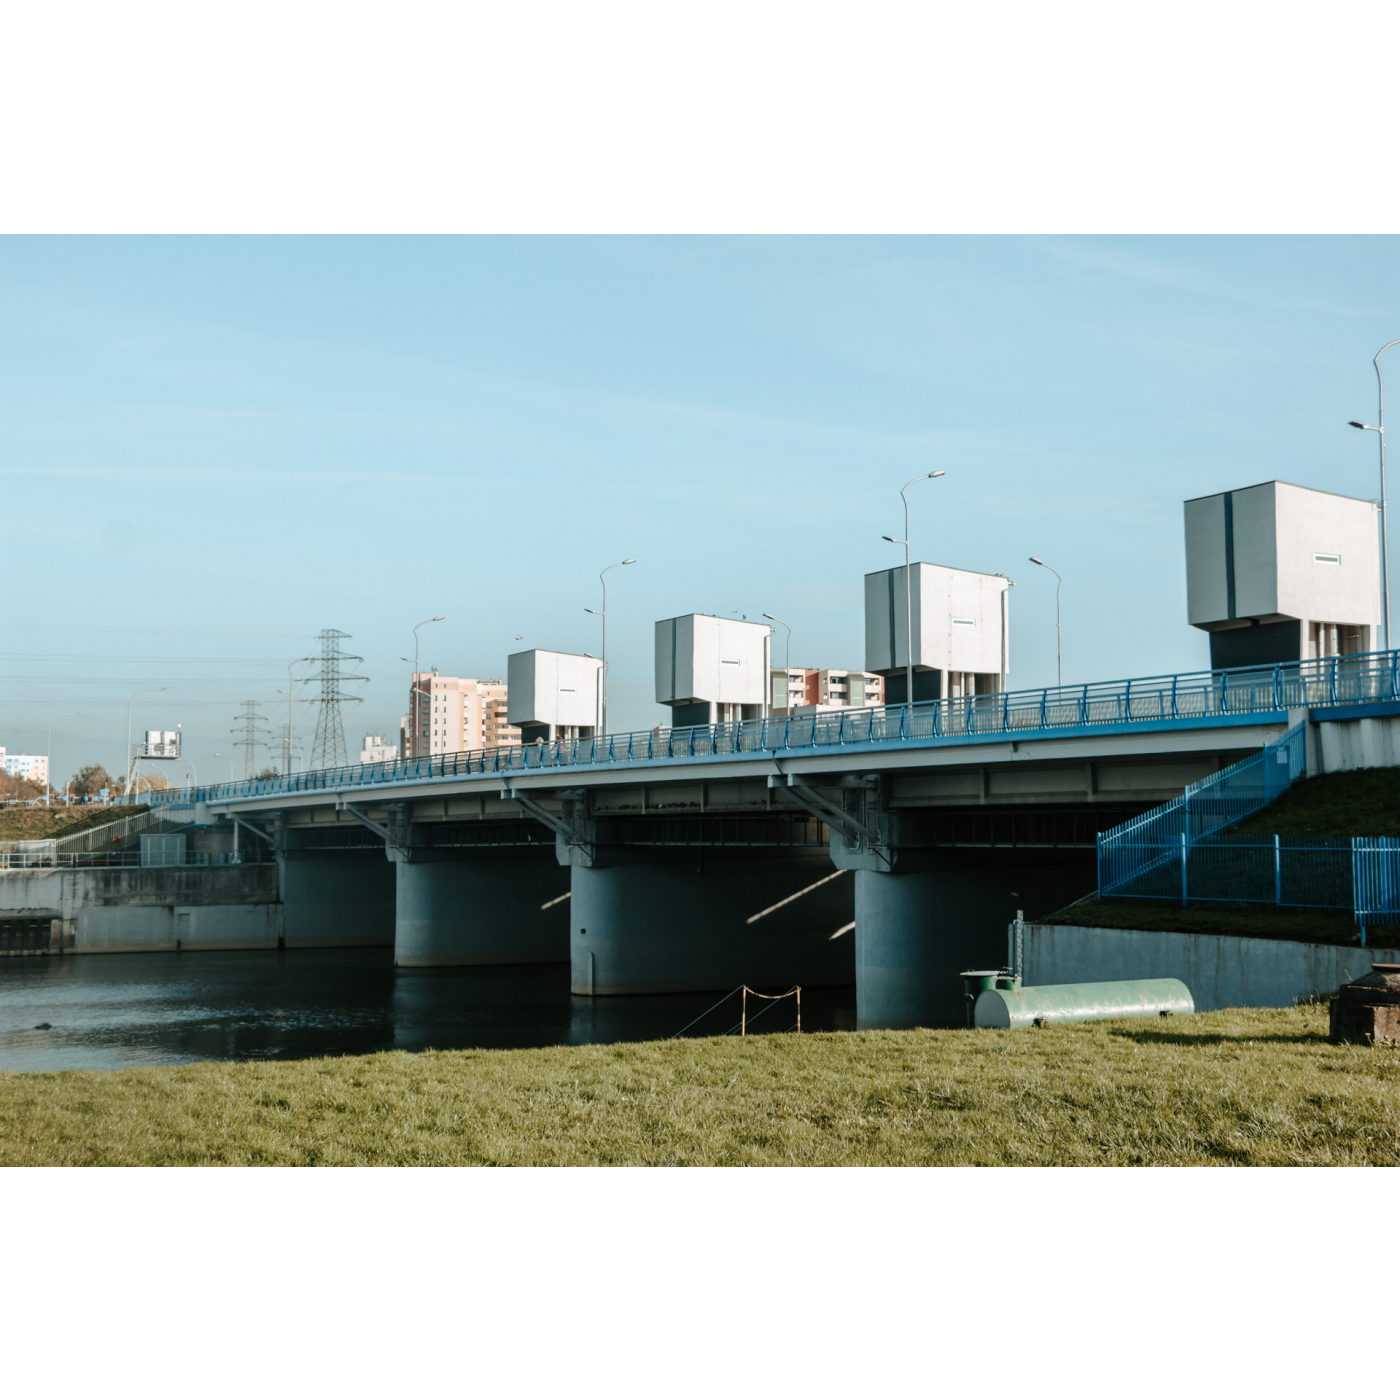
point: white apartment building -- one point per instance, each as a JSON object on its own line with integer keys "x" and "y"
{"x": 455, "y": 714}
{"x": 33, "y": 766}
{"x": 801, "y": 688}
{"x": 375, "y": 750}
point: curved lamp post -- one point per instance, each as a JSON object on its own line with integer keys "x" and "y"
{"x": 1379, "y": 429}
{"x": 291, "y": 690}
{"x": 909, "y": 589}
{"x": 787, "y": 662}
{"x": 602, "y": 578}
{"x": 416, "y": 705}
{"x": 48, "y": 761}
{"x": 1059, "y": 669}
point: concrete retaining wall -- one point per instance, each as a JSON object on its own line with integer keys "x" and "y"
{"x": 129, "y": 909}
{"x": 1220, "y": 971}
{"x": 1345, "y": 745}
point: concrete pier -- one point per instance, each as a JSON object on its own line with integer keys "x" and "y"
{"x": 708, "y": 918}
{"x": 917, "y": 930}
{"x": 478, "y": 908}
{"x": 336, "y": 898}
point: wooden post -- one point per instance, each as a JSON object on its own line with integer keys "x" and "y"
{"x": 799, "y": 1011}
{"x": 744, "y": 1011}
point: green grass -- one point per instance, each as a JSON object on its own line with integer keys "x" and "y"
{"x": 1246, "y": 921}
{"x": 1237, "y": 1087}
{"x": 1363, "y": 803}
{"x": 40, "y": 823}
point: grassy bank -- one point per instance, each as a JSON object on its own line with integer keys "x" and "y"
{"x": 1241, "y": 1087}
{"x": 40, "y": 823}
{"x": 1363, "y": 803}
{"x": 1247, "y": 921}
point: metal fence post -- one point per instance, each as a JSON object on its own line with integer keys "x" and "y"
{"x": 1184, "y": 849}
{"x": 1278, "y": 873}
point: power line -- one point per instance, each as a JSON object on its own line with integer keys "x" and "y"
{"x": 328, "y": 748}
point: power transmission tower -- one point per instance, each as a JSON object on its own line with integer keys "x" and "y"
{"x": 250, "y": 736}
{"x": 328, "y": 749}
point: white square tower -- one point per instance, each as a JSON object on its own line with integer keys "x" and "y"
{"x": 711, "y": 670}
{"x": 553, "y": 695}
{"x": 1280, "y": 573}
{"x": 960, "y": 627}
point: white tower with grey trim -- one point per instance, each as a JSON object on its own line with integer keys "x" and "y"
{"x": 1278, "y": 573}
{"x": 960, "y": 625}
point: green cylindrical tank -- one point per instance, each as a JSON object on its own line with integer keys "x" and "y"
{"x": 1009, "y": 1007}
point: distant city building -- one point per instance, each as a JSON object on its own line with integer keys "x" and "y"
{"x": 454, "y": 714}
{"x": 33, "y": 766}
{"x": 375, "y": 750}
{"x": 1278, "y": 573}
{"x": 797, "y": 688}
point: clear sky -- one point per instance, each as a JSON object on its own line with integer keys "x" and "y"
{"x": 212, "y": 448}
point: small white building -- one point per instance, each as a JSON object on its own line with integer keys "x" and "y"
{"x": 711, "y": 670}
{"x": 1278, "y": 573}
{"x": 554, "y": 695}
{"x": 375, "y": 750}
{"x": 32, "y": 766}
{"x": 960, "y": 628}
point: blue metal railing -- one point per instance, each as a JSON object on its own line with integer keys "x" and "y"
{"x": 1193, "y": 698}
{"x": 1149, "y": 856}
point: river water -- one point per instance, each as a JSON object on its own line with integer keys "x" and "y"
{"x": 112, "y": 1011}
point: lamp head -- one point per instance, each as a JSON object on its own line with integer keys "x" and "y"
{"x": 629, "y": 561}
{"x": 1041, "y": 562}
{"x": 931, "y": 475}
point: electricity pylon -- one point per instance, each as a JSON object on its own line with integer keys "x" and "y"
{"x": 328, "y": 750}
{"x": 250, "y": 736}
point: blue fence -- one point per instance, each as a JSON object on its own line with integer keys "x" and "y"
{"x": 1197, "y": 697}
{"x": 1149, "y": 856}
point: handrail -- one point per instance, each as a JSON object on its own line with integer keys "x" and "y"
{"x": 1188, "y": 698}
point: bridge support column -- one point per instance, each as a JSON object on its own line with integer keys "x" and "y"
{"x": 336, "y": 898}
{"x": 479, "y": 908}
{"x": 917, "y": 929}
{"x": 706, "y": 918}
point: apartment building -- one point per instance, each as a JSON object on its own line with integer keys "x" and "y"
{"x": 33, "y": 766}
{"x": 375, "y": 750}
{"x": 798, "y": 688}
{"x": 453, "y": 714}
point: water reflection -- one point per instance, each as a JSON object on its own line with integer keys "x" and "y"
{"x": 117, "y": 1010}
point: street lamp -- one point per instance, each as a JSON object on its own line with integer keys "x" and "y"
{"x": 1379, "y": 430}
{"x": 415, "y": 702}
{"x": 909, "y": 589}
{"x": 48, "y": 762}
{"x": 291, "y": 688}
{"x": 1059, "y": 670}
{"x": 602, "y": 578}
{"x": 787, "y": 661}
{"x": 230, "y": 765}
{"x": 130, "y": 757}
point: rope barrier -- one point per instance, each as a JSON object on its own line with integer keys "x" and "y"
{"x": 742, "y": 1024}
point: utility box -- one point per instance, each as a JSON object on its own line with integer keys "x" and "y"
{"x": 711, "y": 670}
{"x": 553, "y": 695}
{"x": 1278, "y": 573}
{"x": 168, "y": 849}
{"x": 960, "y": 630}
{"x": 160, "y": 743}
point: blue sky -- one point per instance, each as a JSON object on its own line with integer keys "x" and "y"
{"x": 211, "y": 448}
